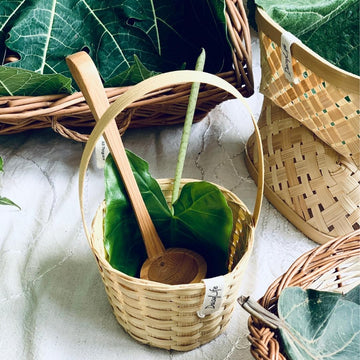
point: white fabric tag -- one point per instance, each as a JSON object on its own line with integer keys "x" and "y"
{"x": 214, "y": 292}
{"x": 101, "y": 152}
{"x": 287, "y": 39}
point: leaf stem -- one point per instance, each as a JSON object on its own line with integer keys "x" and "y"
{"x": 253, "y": 308}
{"x": 187, "y": 127}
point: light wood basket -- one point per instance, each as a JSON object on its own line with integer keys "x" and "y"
{"x": 333, "y": 266}
{"x": 70, "y": 116}
{"x": 162, "y": 315}
{"x": 323, "y": 97}
{"x": 312, "y": 185}
{"x": 165, "y": 316}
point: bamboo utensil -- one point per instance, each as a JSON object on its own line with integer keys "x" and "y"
{"x": 170, "y": 266}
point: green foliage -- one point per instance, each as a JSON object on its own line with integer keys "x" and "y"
{"x": 328, "y": 27}
{"x": 128, "y": 40}
{"x": 4, "y": 200}
{"x": 319, "y": 325}
{"x": 15, "y": 81}
{"x": 202, "y": 220}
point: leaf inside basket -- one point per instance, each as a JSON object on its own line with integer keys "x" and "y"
{"x": 202, "y": 220}
{"x": 328, "y": 27}
{"x": 320, "y": 324}
{"x": 128, "y": 40}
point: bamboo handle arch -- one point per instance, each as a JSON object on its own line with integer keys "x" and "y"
{"x": 155, "y": 83}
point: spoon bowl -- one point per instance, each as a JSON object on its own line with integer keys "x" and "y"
{"x": 175, "y": 266}
{"x": 172, "y": 266}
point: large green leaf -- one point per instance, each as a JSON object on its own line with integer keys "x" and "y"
{"x": 202, "y": 220}
{"x": 127, "y": 39}
{"x": 319, "y": 325}
{"x": 15, "y": 81}
{"x": 329, "y": 27}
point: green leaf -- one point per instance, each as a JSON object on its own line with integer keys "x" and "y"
{"x": 319, "y": 325}
{"x": 205, "y": 25}
{"x": 353, "y": 295}
{"x": 128, "y": 40}
{"x": 202, "y": 220}
{"x": 328, "y": 27}
{"x": 122, "y": 240}
{"x": 136, "y": 73}
{"x": 21, "y": 82}
{"x": 6, "y": 201}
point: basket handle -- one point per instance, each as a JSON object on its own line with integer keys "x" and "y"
{"x": 135, "y": 93}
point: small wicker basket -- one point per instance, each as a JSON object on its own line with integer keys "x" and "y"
{"x": 69, "y": 114}
{"x": 161, "y": 315}
{"x": 333, "y": 266}
{"x": 322, "y": 97}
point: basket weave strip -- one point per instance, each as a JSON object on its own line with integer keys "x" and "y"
{"x": 329, "y": 107}
{"x": 163, "y": 315}
{"x": 70, "y": 116}
{"x": 333, "y": 266}
{"x": 307, "y": 181}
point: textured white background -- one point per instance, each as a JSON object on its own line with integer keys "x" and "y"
{"x": 52, "y": 301}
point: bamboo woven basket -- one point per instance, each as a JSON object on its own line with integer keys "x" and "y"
{"x": 69, "y": 114}
{"x": 322, "y": 97}
{"x": 333, "y": 266}
{"x": 162, "y": 315}
{"x": 311, "y": 184}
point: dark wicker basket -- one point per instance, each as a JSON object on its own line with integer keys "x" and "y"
{"x": 66, "y": 114}
{"x": 330, "y": 267}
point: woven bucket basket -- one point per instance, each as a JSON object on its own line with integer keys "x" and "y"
{"x": 69, "y": 115}
{"x": 161, "y": 315}
{"x": 333, "y": 266}
{"x": 322, "y": 97}
{"x": 312, "y": 185}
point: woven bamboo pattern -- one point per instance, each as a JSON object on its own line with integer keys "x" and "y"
{"x": 327, "y": 103}
{"x": 158, "y": 314}
{"x": 165, "y": 316}
{"x": 312, "y": 185}
{"x": 333, "y": 266}
{"x": 70, "y": 116}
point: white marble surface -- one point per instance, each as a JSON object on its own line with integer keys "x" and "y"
{"x": 52, "y": 300}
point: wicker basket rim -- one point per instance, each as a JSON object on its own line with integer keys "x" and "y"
{"x": 308, "y": 57}
{"x": 264, "y": 343}
{"x": 194, "y": 286}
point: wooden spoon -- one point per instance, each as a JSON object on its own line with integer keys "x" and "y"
{"x": 171, "y": 266}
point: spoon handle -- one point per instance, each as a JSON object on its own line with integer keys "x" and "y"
{"x": 88, "y": 79}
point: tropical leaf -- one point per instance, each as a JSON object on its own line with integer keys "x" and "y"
{"x": 353, "y": 295}
{"x": 328, "y": 27}
{"x": 202, "y": 220}
{"x": 136, "y": 73}
{"x": 126, "y": 39}
{"x": 14, "y": 81}
{"x": 319, "y": 325}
